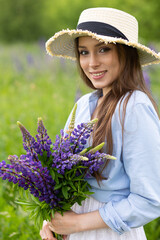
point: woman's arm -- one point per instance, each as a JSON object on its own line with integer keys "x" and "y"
{"x": 141, "y": 159}
{"x": 72, "y": 222}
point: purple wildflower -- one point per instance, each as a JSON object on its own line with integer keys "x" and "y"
{"x": 29, "y": 142}
{"x": 55, "y": 173}
{"x": 43, "y": 140}
{"x": 30, "y": 176}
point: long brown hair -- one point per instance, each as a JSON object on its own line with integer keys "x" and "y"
{"x": 130, "y": 79}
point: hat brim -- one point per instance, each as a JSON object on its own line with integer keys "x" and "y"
{"x": 62, "y": 44}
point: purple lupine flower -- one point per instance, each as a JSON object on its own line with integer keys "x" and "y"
{"x": 80, "y": 134}
{"x": 29, "y": 142}
{"x": 43, "y": 140}
{"x": 54, "y": 173}
{"x": 33, "y": 177}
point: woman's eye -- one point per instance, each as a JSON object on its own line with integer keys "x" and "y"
{"x": 105, "y": 49}
{"x": 82, "y": 52}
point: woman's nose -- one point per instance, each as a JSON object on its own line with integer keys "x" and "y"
{"x": 93, "y": 61}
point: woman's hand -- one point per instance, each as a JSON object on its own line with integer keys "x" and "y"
{"x": 66, "y": 224}
{"x": 63, "y": 225}
{"x": 45, "y": 232}
{"x": 70, "y": 223}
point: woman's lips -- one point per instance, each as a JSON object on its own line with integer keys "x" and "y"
{"x": 98, "y": 75}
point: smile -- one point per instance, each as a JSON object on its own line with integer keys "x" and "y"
{"x": 98, "y": 74}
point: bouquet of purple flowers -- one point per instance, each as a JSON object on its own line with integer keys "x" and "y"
{"x": 54, "y": 174}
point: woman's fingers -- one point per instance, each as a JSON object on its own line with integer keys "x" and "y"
{"x": 45, "y": 232}
{"x": 64, "y": 237}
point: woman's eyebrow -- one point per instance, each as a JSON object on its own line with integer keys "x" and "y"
{"x": 82, "y": 47}
{"x": 97, "y": 45}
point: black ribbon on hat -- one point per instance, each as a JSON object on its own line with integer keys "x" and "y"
{"x": 101, "y": 28}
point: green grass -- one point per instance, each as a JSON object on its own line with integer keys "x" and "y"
{"x": 34, "y": 85}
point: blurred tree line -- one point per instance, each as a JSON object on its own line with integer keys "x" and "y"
{"x": 28, "y": 20}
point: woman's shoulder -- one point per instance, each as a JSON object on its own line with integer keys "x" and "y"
{"x": 138, "y": 97}
{"x": 140, "y": 105}
{"x": 135, "y": 104}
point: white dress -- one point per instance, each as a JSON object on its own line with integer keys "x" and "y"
{"x": 90, "y": 204}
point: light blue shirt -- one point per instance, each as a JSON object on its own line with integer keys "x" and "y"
{"x": 131, "y": 192}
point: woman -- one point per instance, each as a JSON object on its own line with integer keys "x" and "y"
{"x": 126, "y": 191}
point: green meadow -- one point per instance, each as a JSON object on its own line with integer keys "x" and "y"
{"x": 32, "y": 85}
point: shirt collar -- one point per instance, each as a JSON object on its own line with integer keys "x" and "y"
{"x": 93, "y": 100}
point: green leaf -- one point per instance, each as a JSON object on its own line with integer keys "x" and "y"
{"x": 79, "y": 178}
{"x": 65, "y": 192}
{"x": 88, "y": 193}
{"x": 46, "y": 162}
{"x": 69, "y": 172}
{"x": 57, "y": 186}
{"x": 35, "y": 200}
{"x": 72, "y": 185}
{"x": 52, "y": 173}
{"x": 75, "y": 193}
{"x": 60, "y": 175}
{"x": 81, "y": 166}
{"x": 39, "y": 219}
{"x": 84, "y": 186}
{"x": 56, "y": 179}
{"x": 37, "y": 209}
{"x": 40, "y": 158}
{"x": 80, "y": 199}
{"x": 45, "y": 155}
{"x": 66, "y": 207}
{"x": 44, "y": 205}
{"x": 52, "y": 213}
{"x": 21, "y": 202}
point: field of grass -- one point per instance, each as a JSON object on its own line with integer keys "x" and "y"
{"x": 34, "y": 85}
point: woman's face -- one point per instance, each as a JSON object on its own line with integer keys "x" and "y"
{"x": 99, "y": 62}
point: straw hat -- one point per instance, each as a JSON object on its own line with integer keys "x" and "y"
{"x": 104, "y": 24}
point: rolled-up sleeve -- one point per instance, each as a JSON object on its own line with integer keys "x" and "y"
{"x": 141, "y": 159}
